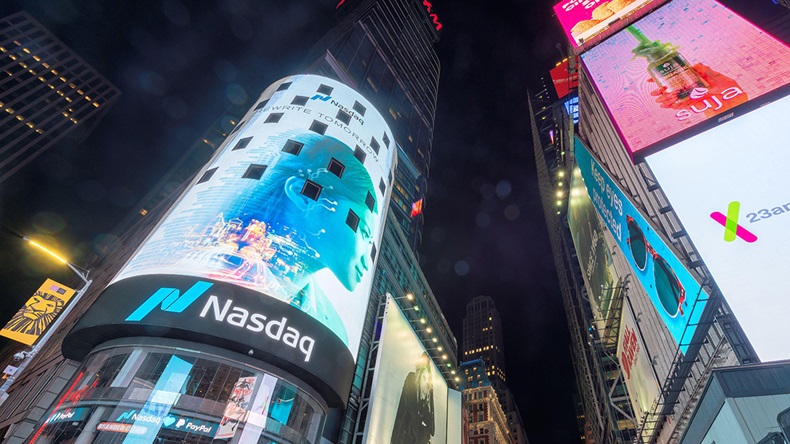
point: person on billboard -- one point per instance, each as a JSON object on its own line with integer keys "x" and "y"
{"x": 414, "y": 421}
{"x": 312, "y": 210}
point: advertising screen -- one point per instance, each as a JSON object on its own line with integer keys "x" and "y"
{"x": 671, "y": 287}
{"x": 595, "y": 257}
{"x": 678, "y": 67}
{"x": 409, "y": 396}
{"x": 585, "y": 19}
{"x": 638, "y": 374}
{"x": 572, "y": 108}
{"x": 39, "y": 311}
{"x": 728, "y": 188}
{"x": 274, "y": 243}
{"x": 564, "y": 81}
{"x": 455, "y": 425}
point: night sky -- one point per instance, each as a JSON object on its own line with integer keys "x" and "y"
{"x": 180, "y": 65}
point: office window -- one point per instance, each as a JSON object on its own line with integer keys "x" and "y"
{"x": 284, "y": 86}
{"x": 273, "y": 118}
{"x": 375, "y": 145}
{"x": 299, "y": 100}
{"x": 343, "y": 117}
{"x": 336, "y": 168}
{"x": 311, "y": 189}
{"x": 358, "y": 107}
{"x": 207, "y": 175}
{"x": 370, "y": 201}
{"x": 292, "y": 147}
{"x": 360, "y": 154}
{"x": 254, "y": 172}
{"x": 318, "y": 127}
{"x": 242, "y": 143}
{"x": 261, "y": 104}
{"x": 325, "y": 89}
{"x": 352, "y": 220}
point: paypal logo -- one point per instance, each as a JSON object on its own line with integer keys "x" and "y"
{"x": 170, "y": 300}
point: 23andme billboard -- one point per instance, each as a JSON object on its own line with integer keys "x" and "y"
{"x": 672, "y": 289}
{"x": 681, "y": 65}
{"x": 728, "y": 186}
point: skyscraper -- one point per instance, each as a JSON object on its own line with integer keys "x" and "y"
{"x": 47, "y": 92}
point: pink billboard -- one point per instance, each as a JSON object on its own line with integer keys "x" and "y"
{"x": 686, "y": 62}
{"x": 584, "y": 19}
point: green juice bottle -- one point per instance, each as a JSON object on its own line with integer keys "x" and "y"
{"x": 666, "y": 66}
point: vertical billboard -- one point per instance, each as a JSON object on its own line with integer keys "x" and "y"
{"x": 564, "y": 80}
{"x": 30, "y": 322}
{"x": 638, "y": 374}
{"x": 592, "y": 249}
{"x": 670, "y": 286}
{"x": 408, "y": 402}
{"x": 680, "y": 66}
{"x": 585, "y": 19}
{"x": 728, "y": 187}
{"x": 272, "y": 247}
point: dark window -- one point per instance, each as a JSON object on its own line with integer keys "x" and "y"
{"x": 352, "y": 220}
{"x": 254, "y": 172}
{"x": 325, "y": 89}
{"x": 261, "y": 105}
{"x": 292, "y": 147}
{"x": 318, "y": 127}
{"x": 299, "y": 100}
{"x": 207, "y": 175}
{"x": 273, "y": 118}
{"x": 373, "y": 253}
{"x": 344, "y": 117}
{"x": 359, "y": 154}
{"x": 311, "y": 189}
{"x": 382, "y": 187}
{"x": 284, "y": 86}
{"x": 386, "y": 140}
{"x": 237, "y": 127}
{"x": 370, "y": 201}
{"x": 336, "y": 168}
{"x": 358, "y": 107}
{"x": 241, "y": 144}
{"x": 375, "y": 145}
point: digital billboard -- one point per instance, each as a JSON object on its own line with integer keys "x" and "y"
{"x": 637, "y": 370}
{"x": 32, "y": 320}
{"x": 678, "y": 67}
{"x": 669, "y": 285}
{"x": 274, "y": 244}
{"x": 565, "y": 81}
{"x": 585, "y": 19}
{"x": 408, "y": 402}
{"x": 595, "y": 256}
{"x": 728, "y": 187}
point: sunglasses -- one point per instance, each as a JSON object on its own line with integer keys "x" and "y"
{"x": 670, "y": 291}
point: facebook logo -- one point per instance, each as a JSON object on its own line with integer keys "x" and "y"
{"x": 170, "y": 300}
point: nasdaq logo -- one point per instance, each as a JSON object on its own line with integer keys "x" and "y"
{"x": 320, "y": 97}
{"x": 170, "y": 300}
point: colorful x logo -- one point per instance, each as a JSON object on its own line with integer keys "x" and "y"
{"x": 730, "y": 224}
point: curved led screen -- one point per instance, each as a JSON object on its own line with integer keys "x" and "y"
{"x": 274, "y": 244}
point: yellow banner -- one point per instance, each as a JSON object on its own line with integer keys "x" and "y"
{"x": 39, "y": 311}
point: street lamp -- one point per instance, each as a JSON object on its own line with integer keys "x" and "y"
{"x": 28, "y": 356}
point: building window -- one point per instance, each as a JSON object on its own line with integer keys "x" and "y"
{"x": 370, "y": 201}
{"x": 292, "y": 147}
{"x": 375, "y": 145}
{"x": 299, "y": 100}
{"x": 382, "y": 187}
{"x": 336, "y": 168}
{"x": 261, "y": 104}
{"x": 373, "y": 253}
{"x": 359, "y": 153}
{"x": 284, "y": 86}
{"x": 318, "y": 127}
{"x": 254, "y": 172}
{"x": 311, "y": 189}
{"x": 386, "y": 140}
{"x": 352, "y": 220}
{"x": 273, "y": 118}
{"x": 358, "y": 107}
{"x": 325, "y": 89}
{"x": 207, "y": 175}
{"x": 242, "y": 143}
{"x": 237, "y": 127}
{"x": 344, "y": 117}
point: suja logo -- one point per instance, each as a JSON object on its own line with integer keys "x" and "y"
{"x": 732, "y": 228}
{"x": 172, "y": 301}
{"x": 704, "y": 103}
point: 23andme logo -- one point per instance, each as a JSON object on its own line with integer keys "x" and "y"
{"x": 732, "y": 228}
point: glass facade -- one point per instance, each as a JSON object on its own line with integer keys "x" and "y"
{"x": 145, "y": 394}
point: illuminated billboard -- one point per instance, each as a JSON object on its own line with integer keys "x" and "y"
{"x": 32, "y": 320}
{"x": 565, "y": 81}
{"x": 681, "y": 65}
{"x": 408, "y": 402}
{"x": 585, "y": 19}
{"x": 274, "y": 244}
{"x": 675, "y": 294}
{"x": 637, "y": 370}
{"x": 728, "y": 187}
{"x": 592, "y": 249}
